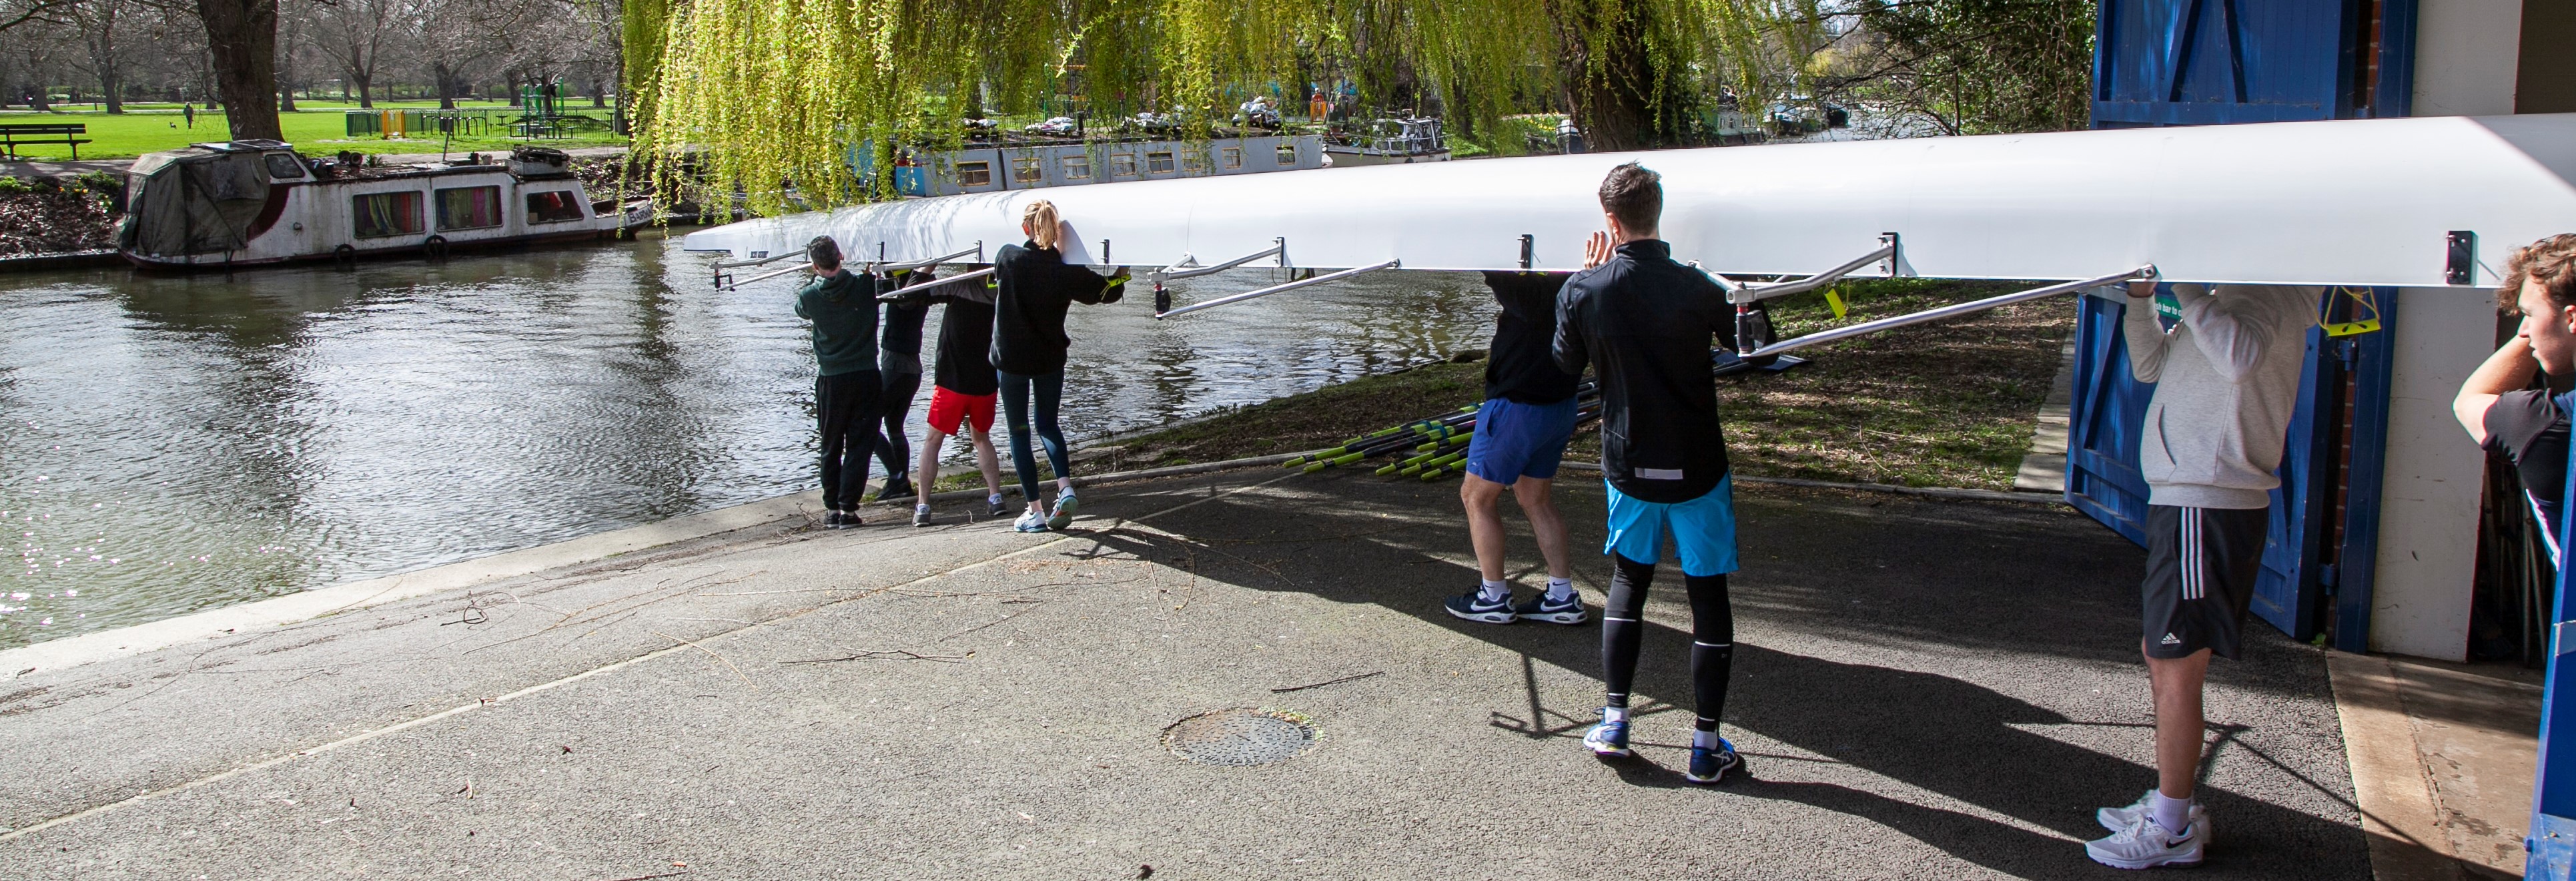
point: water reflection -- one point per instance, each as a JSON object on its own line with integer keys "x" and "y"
{"x": 169, "y": 444}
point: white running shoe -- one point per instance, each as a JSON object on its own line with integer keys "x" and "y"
{"x": 2145, "y": 845}
{"x": 2116, "y": 819}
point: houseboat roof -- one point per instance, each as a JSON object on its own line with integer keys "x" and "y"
{"x": 2354, "y": 202}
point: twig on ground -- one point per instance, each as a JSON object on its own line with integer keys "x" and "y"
{"x": 888, "y": 655}
{"x": 1328, "y": 682}
{"x": 737, "y": 671}
{"x": 648, "y": 877}
{"x": 992, "y": 622}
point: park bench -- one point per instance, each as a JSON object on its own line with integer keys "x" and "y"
{"x": 11, "y": 136}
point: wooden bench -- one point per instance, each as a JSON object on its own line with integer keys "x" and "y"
{"x": 13, "y": 135}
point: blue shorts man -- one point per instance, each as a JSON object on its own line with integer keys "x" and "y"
{"x": 1644, "y": 323}
{"x": 1521, "y": 431}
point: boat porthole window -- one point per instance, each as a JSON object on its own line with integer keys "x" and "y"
{"x": 377, "y": 215}
{"x": 1028, "y": 171}
{"x": 1233, "y": 158}
{"x": 1077, "y": 168}
{"x": 1122, "y": 165}
{"x": 283, "y": 166}
{"x": 1158, "y": 163}
{"x": 974, "y": 174}
{"x": 469, "y": 208}
{"x": 553, "y": 206}
{"x": 1287, "y": 155}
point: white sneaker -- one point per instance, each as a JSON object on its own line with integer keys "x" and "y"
{"x": 2116, "y": 819}
{"x": 1030, "y": 522}
{"x": 2145, "y": 845}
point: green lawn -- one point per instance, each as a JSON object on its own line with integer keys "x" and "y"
{"x": 318, "y": 127}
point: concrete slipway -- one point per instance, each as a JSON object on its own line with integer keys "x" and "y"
{"x": 1924, "y": 688}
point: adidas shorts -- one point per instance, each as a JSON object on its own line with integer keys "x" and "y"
{"x": 2201, "y": 566}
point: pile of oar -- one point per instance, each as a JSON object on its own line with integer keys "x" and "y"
{"x": 1430, "y": 448}
{"x": 1436, "y": 446}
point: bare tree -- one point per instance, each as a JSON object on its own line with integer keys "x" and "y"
{"x": 102, "y": 24}
{"x": 457, "y": 37}
{"x": 294, "y": 29}
{"x": 354, "y": 34}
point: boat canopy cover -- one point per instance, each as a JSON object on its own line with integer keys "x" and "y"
{"x": 2358, "y": 202}
{"x": 200, "y": 200}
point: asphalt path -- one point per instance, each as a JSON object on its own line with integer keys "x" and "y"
{"x": 1923, "y": 688}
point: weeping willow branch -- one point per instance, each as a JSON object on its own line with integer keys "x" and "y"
{"x": 782, "y": 100}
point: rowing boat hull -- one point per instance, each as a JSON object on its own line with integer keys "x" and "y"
{"x": 2362, "y": 202}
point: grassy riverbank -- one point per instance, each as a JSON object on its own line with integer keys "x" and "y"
{"x": 1933, "y": 405}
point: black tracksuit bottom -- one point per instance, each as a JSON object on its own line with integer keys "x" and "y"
{"x": 847, "y": 405}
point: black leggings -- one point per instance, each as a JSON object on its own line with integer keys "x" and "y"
{"x": 1712, "y": 636}
{"x": 896, "y": 402}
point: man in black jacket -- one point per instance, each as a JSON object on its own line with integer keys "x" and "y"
{"x": 1644, "y": 323}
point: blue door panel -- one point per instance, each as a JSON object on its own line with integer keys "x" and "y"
{"x": 2106, "y": 414}
{"x": 2168, "y": 62}
{"x": 2286, "y": 592}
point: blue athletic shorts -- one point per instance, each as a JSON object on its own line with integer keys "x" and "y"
{"x": 1515, "y": 440}
{"x": 1703, "y": 529}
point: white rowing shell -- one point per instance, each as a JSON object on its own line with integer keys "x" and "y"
{"x": 2360, "y": 202}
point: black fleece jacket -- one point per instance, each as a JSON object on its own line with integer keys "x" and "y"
{"x": 1644, "y": 324}
{"x": 1036, "y": 288}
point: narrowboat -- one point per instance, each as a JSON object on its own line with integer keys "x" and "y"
{"x": 247, "y": 203}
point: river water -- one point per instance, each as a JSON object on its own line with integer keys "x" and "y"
{"x": 175, "y": 443}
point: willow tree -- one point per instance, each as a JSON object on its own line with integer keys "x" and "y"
{"x": 773, "y": 93}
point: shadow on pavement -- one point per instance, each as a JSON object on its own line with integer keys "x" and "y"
{"x": 1946, "y": 735}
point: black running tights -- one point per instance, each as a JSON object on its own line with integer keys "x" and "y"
{"x": 1712, "y": 636}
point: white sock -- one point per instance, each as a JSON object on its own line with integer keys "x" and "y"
{"x": 993, "y": 499}
{"x": 1496, "y": 590}
{"x": 921, "y": 509}
{"x": 1614, "y": 714}
{"x": 2171, "y": 813}
{"x": 1559, "y": 588}
{"x": 1704, "y": 739}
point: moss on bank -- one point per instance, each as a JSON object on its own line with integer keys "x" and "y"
{"x": 1948, "y": 404}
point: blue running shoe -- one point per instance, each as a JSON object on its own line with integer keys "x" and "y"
{"x": 1710, "y": 765}
{"x": 1473, "y": 606}
{"x": 1540, "y": 608}
{"x": 1065, "y": 505}
{"x": 1609, "y": 740}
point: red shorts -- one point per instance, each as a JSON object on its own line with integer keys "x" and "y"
{"x": 948, "y": 408}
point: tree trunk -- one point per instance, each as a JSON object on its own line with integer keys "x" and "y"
{"x": 445, "y": 78}
{"x": 366, "y": 89}
{"x": 242, "y": 35}
{"x": 1610, "y": 95}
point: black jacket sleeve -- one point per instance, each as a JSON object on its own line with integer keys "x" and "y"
{"x": 1568, "y": 348}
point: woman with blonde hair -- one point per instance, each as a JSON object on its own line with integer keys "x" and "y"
{"x": 1034, "y": 290}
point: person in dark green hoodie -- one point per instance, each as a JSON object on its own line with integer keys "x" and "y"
{"x": 848, "y": 387}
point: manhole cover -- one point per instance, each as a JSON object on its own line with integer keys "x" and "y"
{"x": 1239, "y": 738}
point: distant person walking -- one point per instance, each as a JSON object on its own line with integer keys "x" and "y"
{"x": 189, "y": 111}
{"x": 1035, "y": 288}
{"x": 1644, "y": 323}
{"x": 1520, "y": 437}
{"x": 843, "y": 310}
{"x": 2227, "y": 379}
{"x": 2498, "y": 406}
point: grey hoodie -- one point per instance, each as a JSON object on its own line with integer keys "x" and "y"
{"x": 2227, "y": 379}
